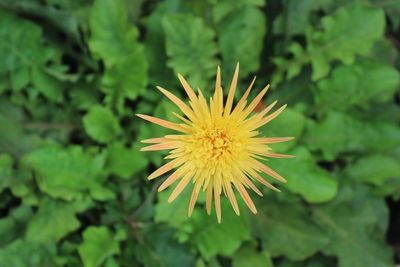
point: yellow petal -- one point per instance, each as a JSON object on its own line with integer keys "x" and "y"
{"x": 232, "y": 90}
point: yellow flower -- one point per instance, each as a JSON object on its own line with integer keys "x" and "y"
{"x": 218, "y": 147}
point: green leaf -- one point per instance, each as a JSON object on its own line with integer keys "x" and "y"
{"x": 27, "y": 254}
{"x": 158, "y": 73}
{"x": 356, "y": 224}
{"x": 374, "y": 169}
{"x": 159, "y": 249}
{"x": 98, "y": 245}
{"x": 175, "y": 213}
{"x": 357, "y": 85}
{"x": 212, "y": 238}
{"x": 338, "y": 133}
{"x": 286, "y": 230}
{"x": 190, "y": 48}
{"x": 305, "y": 177}
{"x": 54, "y": 220}
{"x": 47, "y": 85}
{"x": 222, "y": 8}
{"x": 114, "y": 40}
{"x": 250, "y": 257}
{"x": 124, "y": 161}
{"x": 15, "y": 140}
{"x": 6, "y": 170}
{"x": 20, "y": 78}
{"x": 296, "y": 16}
{"x": 68, "y": 173}
{"x": 101, "y": 124}
{"x": 346, "y": 26}
{"x": 249, "y": 26}
{"x": 13, "y": 226}
{"x": 14, "y": 53}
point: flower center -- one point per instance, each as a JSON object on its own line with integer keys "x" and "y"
{"x": 217, "y": 141}
{"x": 211, "y": 148}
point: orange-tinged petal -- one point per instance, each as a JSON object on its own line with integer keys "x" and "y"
{"x": 246, "y": 197}
{"x": 154, "y": 140}
{"x": 209, "y": 198}
{"x": 272, "y": 140}
{"x": 179, "y": 103}
{"x": 279, "y": 156}
{"x": 179, "y": 188}
{"x": 217, "y": 204}
{"x": 162, "y": 146}
{"x": 271, "y": 116}
{"x": 272, "y": 173}
{"x": 170, "y": 180}
{"x": 255, "y": 102}
{"x": 163, "y": 123}
{"x": 165, "y": 168}
{"x": 232, "y": 198}
{"x": 193, "y": 198}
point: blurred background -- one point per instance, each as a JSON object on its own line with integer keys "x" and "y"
{"x": 73, "y": 185}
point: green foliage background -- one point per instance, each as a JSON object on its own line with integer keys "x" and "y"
{"x": 73, "y": 185}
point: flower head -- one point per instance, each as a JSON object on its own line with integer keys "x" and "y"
{"x": 218, "y": 147}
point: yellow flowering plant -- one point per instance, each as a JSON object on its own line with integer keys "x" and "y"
{"x": 218, "y": 147}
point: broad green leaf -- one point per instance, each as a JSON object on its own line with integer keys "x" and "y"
{"x": 338, "y": 132}
{"x": 375, "y": 169}
{"x": 159, "y": 74}
{"x": 68, "y": 173}
{"x": 384, "y": 51}
{"x": 114, "y": 40}
{"x": 357, "y": 85}
{"x": 355, "y": 225}
{"x": 13, "y": 226}
{"x": 222, "y": 8}
{"x": 47, "y": 85}
{"x": 286, "y": 230}
{"x": 99, "y": 243}
{"x": 249, "y": 257}
{"x": 124, "y": 161}
{"x": 54, "y": 220}
{"x": 101, "y": 124}
{"x": 15, "y": 140}
{"x": 159, "y": 249}
{"x": 175, "y": 213}
{"x": 14, "y": 53}
{"x": 346, "y": 26}
{"x": 20, "y": 78}
{"x": 212, "y": 238}
{"x": 305, "y": 177}
{"x": 191, "y": 48}
{"x": 27, "y": 254}
{"x": 249, "y": 26}
{"x": 296, "y": 17}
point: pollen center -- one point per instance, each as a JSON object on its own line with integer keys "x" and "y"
{"x": 217, "y": 141}
{"x": 211, "y": 148}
